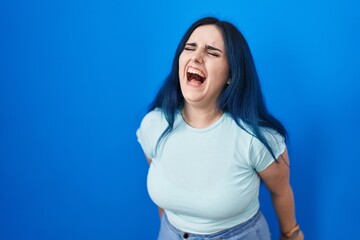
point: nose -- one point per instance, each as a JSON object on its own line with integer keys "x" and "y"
{"x": 197, "y": 57}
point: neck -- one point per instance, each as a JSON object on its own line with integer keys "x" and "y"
{"x": 200, "y": 117}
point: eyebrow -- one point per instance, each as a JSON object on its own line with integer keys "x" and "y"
{"x": 206, "y": 47}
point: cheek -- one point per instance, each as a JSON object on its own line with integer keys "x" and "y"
{"x": 181, "y": 65}
{"x": 226, "y": 73}
{"x": 221, "y": 74}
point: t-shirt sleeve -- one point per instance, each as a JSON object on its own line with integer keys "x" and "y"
{"x": 260, "y": 157}
{"x": 149, "y": 132}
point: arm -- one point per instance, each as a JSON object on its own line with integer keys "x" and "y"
{"x": 277, "y": 179}
{"x": 161, "y": 211}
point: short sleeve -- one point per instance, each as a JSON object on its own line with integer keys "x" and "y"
{"x": 150, "y": 130}
{"x": 260, "y": 157}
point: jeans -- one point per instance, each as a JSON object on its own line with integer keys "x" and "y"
{"x": 255, "y": 228}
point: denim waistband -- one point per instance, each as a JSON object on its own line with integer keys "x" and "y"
{"x": 233, "y": 231}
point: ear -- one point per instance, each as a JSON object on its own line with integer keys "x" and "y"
{"x": 229, "y": 80}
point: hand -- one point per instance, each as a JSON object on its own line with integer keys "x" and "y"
{"x": 299, "y": 236}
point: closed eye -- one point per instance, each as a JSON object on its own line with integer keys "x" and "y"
{"x": 214, "y": 54}
{"x": 209, "y": 49}
{"x": 190, "y": 46}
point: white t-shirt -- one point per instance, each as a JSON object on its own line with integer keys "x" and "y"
{"x": 205, "y": 179}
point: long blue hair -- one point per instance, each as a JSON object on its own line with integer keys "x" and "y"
{"x": 242, "y": 98}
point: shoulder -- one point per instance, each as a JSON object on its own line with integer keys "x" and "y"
{"x": 273, "y": 138}
{"x": 152, "y": 126}
{"x": 260, "y": 154}
{"x": 151, "y": 117}
{"x": 270, "y": 135}
{"x": 153, "y": 121}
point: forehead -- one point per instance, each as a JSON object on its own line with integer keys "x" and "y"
{"x": 207, "y": 35}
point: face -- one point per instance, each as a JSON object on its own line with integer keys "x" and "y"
{"x": 203, "y": 67}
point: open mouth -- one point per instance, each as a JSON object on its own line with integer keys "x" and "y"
{"x": 195, "y": 77}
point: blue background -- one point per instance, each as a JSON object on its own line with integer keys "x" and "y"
{"x": 75, "y": 81}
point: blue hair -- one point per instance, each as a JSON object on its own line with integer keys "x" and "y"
{"x": 242, "y": 99}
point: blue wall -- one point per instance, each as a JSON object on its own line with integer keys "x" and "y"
{"x": 76, "y": 78}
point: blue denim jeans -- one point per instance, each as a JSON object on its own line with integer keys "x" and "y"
{"x": 255, "y": 228}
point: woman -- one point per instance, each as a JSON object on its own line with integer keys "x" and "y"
{"x": 210, "y": 140}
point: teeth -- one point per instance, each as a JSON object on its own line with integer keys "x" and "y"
{"x": 195, "y": 71}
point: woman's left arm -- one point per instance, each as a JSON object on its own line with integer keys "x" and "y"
{"x": 277, "y": 179}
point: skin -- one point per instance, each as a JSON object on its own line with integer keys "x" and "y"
{"x": 199, "y": 53}
{"x": 200, "y": 111}
{"x": 276, "y": 177}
